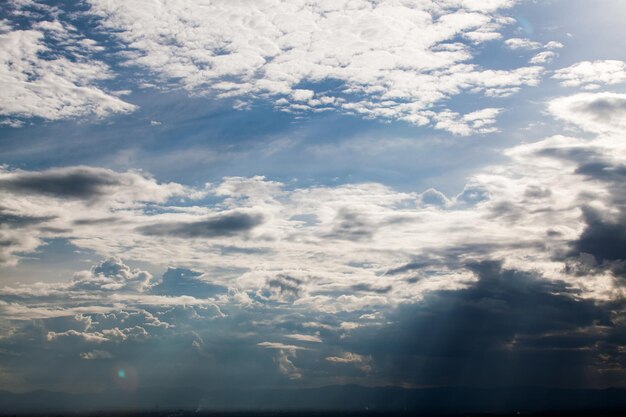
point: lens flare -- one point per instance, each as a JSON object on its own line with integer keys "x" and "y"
{"x": 526, "y": 26}
{"x": 125, "y": 376}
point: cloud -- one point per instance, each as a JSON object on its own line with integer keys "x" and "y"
{"x": 48, "y": 71}
{"x": 279, "y": 346}
{"x": 305, "y": 338}
{"x": 364, "y": 363}
{"x": 440, "y": 322}
{"x": 359, "y": 236}
{"x": 73, "y": 334}
{"x": 85, "y": 183}
{"x": 480, "y": 121}
{"x": 76, "y": 183}
{"x": 433, "y": 197}
{"x": 181, "y": 281}
{"x": 61, "y": 200}
{"x": 351, "y": 225}
{"x": 544, "y": 57}
{"x": 602, "y": 238}
{"x": 554, "y": 45}
{"x": 591, "y": 75}
{"x": 111, "y": 275}
{"x": 95, "y": 355}
{"x": 491, "y": 323}
{"x": 334, "y": 249}
{"x": 282, "y": 288}
{"x": 391, "y": 60}
{"x": 106, "y": 288}
{"x": 540, "y": 58}
{"x": 595, "y": 112}
{"x": 15, "y": 220}
{"x": 286, "y": 366}
{"x": 522, "y": 43}
{"x": 227, "y": 224}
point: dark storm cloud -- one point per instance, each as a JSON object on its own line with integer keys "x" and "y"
{"x": 79, "y": 182}
{"x": 604, "y": 235}
{"x": 511, "y": 302}
{"x": 483, "y": 334}
{"x": 603, "y": 239}
{"x": 230, "y": 224}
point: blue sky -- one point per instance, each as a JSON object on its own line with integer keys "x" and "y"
{"x": 312, "y": 193}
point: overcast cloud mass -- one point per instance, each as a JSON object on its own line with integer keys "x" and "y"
{"x": 270, "y": 194}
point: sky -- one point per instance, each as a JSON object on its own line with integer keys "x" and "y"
{"x": 270, "y": 194}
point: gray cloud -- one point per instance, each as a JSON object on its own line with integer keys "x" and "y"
{"x": 537, "y": 192}
{"x": 282, "y": 288}
{"x": 96, "y": 221}
{"x": 605, "y": 109}
{"x": 87, "y": 184}
{"x": 602, "y": 170}
{"x": 79, "y": 182}
{"x": 229, "y": 224}
{"x": 17, "y": 221}
{"x": 371, "y": 288}
{"x": 351, "y": 225}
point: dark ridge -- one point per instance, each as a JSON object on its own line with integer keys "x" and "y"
{"x": 343, "y": 399}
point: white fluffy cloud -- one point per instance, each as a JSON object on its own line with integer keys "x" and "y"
{"x": 522, "y": 43}
{"x": 481, "y": 121}
{"x": 394, "y": 59}
{"x": 591, "y": 75}
{"x": 543, "y": 57}
{"x": 540, "y": 58}
{"x": 47, "y": 71}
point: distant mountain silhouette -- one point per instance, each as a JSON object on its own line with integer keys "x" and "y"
{"x": 331, "y": 398}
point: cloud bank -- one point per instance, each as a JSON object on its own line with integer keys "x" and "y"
{"x": 391, "y": 60}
